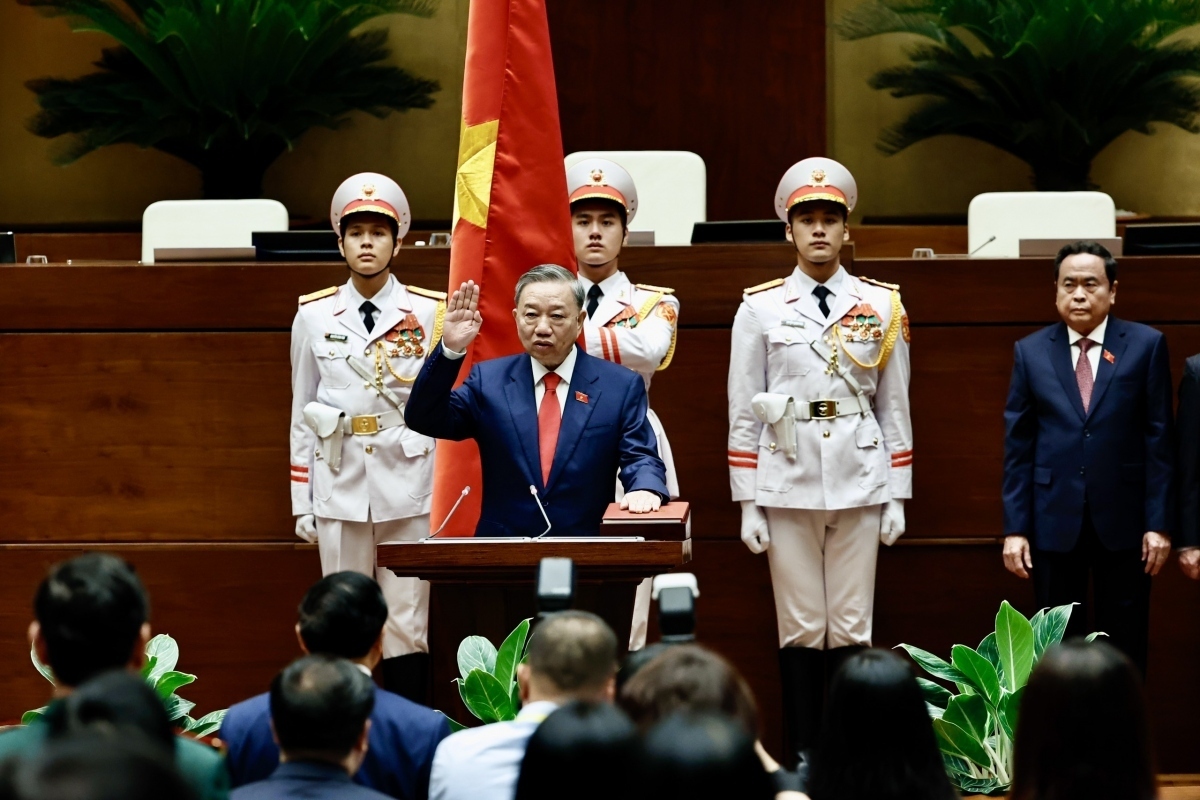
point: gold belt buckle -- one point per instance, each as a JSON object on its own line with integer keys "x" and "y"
{"x": 364, "y": 425}
{"x": 822, "y": 409}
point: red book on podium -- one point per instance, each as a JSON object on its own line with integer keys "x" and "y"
{"x": 668, "y": 524}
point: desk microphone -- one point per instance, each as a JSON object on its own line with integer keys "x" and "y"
{"x": 985, "y": 244}
{"x": 536, "y": 499}
{"x": 466, "y": 491}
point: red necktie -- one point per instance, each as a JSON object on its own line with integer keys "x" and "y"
{"x": 549, "y": 420}
{"x": 1083, "y": 373}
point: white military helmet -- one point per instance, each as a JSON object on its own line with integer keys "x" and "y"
{"x": 815, "y": 179}
{"x": 599, "y": 178}
{"x": 370, "y": 191}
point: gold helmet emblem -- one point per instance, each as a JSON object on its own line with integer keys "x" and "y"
{"x": 368, "y": 189}
{"x": 598, "y": 177}
{"x": 818, "y": 177}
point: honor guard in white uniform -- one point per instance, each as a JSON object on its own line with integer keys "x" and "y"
{"x": 360, "y": 477}
{"x": 820, "y": 438}
{"x": 628, "y": 323}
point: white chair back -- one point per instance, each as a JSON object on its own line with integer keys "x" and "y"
{"x": 672, "y": 187}
{"x": 208, "y": 223}
{"x": 998, "y": 221}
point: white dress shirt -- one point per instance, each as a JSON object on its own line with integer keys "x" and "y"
{"x": 1097, "y": 336}
{"x": 484, "y": 763}
{"x": 607, "y": 286}
{"x": 355, "y": 300}
{"x": 835, "y": 284}
{"x": 565, "y": 370}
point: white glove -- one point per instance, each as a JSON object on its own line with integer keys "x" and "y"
{"x": 754, "y": 528}
{"x": 891, "y": 526}
{"x": 306, "y": 528}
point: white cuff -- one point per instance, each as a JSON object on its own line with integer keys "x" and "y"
{"x": 453, "y": 355}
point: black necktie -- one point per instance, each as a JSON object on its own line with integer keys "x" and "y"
{"x": 822, "y": 294}
{"x": 594, "y": 295}
{"x": 368, "y": 310}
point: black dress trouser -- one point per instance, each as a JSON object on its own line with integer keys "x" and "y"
{"x": 1120, "y": 588}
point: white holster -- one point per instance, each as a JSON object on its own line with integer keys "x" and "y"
{"x": 778, "y": 411}
{"x": 326, "y": 423}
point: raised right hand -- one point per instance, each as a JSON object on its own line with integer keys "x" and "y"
{"x": 754, "y": 528}
{"x": 463, "y": 319}
{"x": 306, "y": 528}
{"x": 1017, "y": 558}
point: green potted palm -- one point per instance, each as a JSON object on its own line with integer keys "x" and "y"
{"x": 1052, "y": 83}
{"x": 226, "y": 86}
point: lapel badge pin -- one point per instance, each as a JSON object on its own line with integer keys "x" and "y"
{"x": 1109, "y": 357}
{"x": 581, "y": 397}
{"x": 335, "y": 337}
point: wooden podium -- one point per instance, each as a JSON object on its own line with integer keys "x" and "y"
{"x": 486, "y": 586}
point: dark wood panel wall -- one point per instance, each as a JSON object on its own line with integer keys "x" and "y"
{"x": 145, "y": 409}
{"x": 744, "y": 90}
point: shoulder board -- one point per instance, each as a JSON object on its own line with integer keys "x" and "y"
{"x": 762, "y": 287}
{"x": 645, "y": 287}
{"x": 308, "y": 298}
{"x": 895, "y": 287}
{"x": 427, "y": 292}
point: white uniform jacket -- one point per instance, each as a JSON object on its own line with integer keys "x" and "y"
{"x": 635, "y": 326}
{"x": 387, "y": 474}
{"x": 857, "y": 459}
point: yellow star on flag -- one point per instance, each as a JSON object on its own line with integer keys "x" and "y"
{"x": 473, "y": 182}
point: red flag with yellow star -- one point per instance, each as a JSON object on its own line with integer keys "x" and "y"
{"x": 510, "y": 203}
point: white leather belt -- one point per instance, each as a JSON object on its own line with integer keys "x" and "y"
{"x": 828, "y": 409}
{"x": 367, "y": 424}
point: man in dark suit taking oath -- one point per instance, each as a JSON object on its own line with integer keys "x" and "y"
{"x": 1089, "y": 456}
{"x": 552, "y": 424}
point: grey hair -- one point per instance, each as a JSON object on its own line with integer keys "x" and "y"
{"x": 550, "y": 273}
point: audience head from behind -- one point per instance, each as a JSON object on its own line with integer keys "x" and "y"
{"x": 320, "y": 711}
{"x": 1082, "y": 732}
{"x": 703, "y": 754}
{"x": 93, "y": 766}
{"x": 90, "y": 617}
{"x": 688, "y": 677}
{"x": 343, "y": 615}
{"x": 594, "y": 741}
{"x": 114, "y": 705}
{"x": 878, "y": 741}
{"x": 572, "y": 655}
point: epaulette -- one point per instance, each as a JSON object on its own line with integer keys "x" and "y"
{"x": 895, "y": 287}
{"x": 762, "y": 287}
{"x": 308, "y": 298}
{"x": 427, "y": 293}
{"x": 645, "y": 287}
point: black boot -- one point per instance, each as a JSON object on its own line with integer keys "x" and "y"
{"x": 802, "y": 678}
{"x": 836, "y": 656}
{"x": 407, "y": 676}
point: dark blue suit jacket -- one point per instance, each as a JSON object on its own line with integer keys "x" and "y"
{"x": 306, "y": 780}
{"x": 1118, "y": 456}
{"x": 495, "y": 406}
{"x": 402, "y": 740}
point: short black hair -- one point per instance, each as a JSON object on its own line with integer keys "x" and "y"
{"x": 319, "y": 705}
{"x": 91, "y": 610}
{"x": 703, "y": 754}
{"x": 346, "y": 218}
{"x": 592, "y": 748}
{"x": 342, "y": 615}
{"x": 574, "y": 650}
{"x": 617, "y": 206}
{"x": 94, "y": 767}
{"x": 115, "y": 704}
{"x": 809, "y": 205}
{"x": 1087, "y": 247}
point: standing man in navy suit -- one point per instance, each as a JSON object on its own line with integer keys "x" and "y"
{"x": 552, "y": 424}
{"x": 1089, "y": 456}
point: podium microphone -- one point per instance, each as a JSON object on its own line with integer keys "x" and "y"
{"x": 466, "y": 491}
{"x": 538, "y": 500}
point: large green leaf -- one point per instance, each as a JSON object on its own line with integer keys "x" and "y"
{"x": 1049, "y": 625}
{"x": 455, "y": 725}
{"x": 43, "y": 669}
{"x": 177, "y": 707}
{"x": 935, "y": 693}
{"x": 969, "y": 712}
{"x": 978, "y": 670}
{"x": 954, "y": 741}
{"x": 476, "y": 652}
{"x": 932, "y": 664}
{"x": 1014, "y": 642}
{"x": 33, "y": 715}
{"x": 1091, "y": 637}
{"x": 169, "y": 682}
{"x": 209, "y": 723}
{"x": 487, "y": 698}
{"x": 987, "y": 649}
{"x": 165, "y": 652}
{"x": 510, "y": 652}
{"x": 1009, "y": 710}
{"x": 987, "y": 786}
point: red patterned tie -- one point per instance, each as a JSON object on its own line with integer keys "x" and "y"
{"x": 549, "y": 420}
{"x": 1083, "y": 372}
